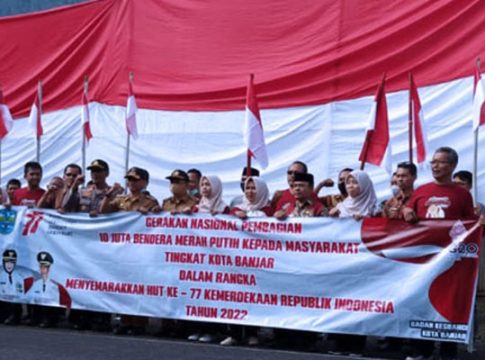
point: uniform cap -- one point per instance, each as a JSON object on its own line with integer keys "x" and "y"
{"x": 178, "y": 175}
{"x": 99, "y": 164}
{"x": 137, "y": 174}
{"x": 44, "y": 258}
{"x": 10, "y": 255}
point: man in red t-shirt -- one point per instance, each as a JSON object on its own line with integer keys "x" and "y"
{"x": 440, "y": 199}
{"x": 285, "y": 198}
{"x": 31, "y": 194}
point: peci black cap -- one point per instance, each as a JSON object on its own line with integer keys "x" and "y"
{"x": 137, "y": 174}
{"x": 305, "y": 177}
{"x": 44, "y": 258}
{"x": 10, "y": 255}
{"x": 99, "y": 164}
{"x": 178, "y": 175}
{"x": 253, "y": 171}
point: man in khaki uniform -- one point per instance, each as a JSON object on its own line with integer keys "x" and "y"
{"x": 137, "y": 200}
{"x": 180, "y": 201}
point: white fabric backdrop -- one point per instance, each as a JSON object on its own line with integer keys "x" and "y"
{"x": 327, "y": 137}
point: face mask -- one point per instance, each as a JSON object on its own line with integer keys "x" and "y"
{"x": 342, "y": 189}
{"x": 395, "y": 190}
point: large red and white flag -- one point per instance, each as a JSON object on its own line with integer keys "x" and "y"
{"x": 131, "y": 110}
{"x": 35, "y": 118}
{"x": 418, "y": 122}
{"x": 376, "y": 149}
{"x": 85, "y": 118}
{"x": 253, "y": 129}
{"x": 6, "y": 121}
{"x": 478, "y": 112}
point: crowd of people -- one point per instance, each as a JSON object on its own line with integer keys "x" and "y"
{"x": 446, "y": 197}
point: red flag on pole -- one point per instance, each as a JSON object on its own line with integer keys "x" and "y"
{"x": 418, "y": 121}
{"x": 35, "y": 118}
{"x": 253, "y": 130}
{"x": 85, "y": 116}
{"x": 478, "y": 100}
{"x": 6, "y": 121}
{"x": 377, "y": 147}
{"x": 131, "y": 110}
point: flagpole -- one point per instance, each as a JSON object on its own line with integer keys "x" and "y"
{"x": 83, "y": 149}
{"x": 475, "y": 152}
{"x": 248, "y": 153}
{"x": 39, "y": 116}
{"x": 411, "y": 120}
{"x": 127, "y": 155}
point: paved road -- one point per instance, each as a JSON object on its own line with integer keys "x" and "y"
{"x": 26, "y": 343}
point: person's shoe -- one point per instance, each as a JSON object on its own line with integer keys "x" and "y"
{"x": 419, "y": 357}
{"x": 229, "y": 341}
{"x": 121, "y": 330}
{"x": 136, "y": 330}
{"x": 11, "y": 320}
{"x": 47, "y": 324}
{"x": 351, "y": 354}
{"x": 253, "y": 341}
{"x": 194, "y": 337}
{"x": 336, "y": 352}
{"x": 206, "y": 338}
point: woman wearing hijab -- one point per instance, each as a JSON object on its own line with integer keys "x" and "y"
{"x": 210, "y": 190}
{"x": 361, "y": 200}
{"x": 255, "y": 203}
{"x": 256, "y": 200}
{"x": 211, "y": 196}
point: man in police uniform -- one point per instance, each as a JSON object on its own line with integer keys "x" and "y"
{"x": 11, "y": 287}
{"x": 45, "y": 291}
{"x": 180, "y": 201}
{"x": 89, "y": 199}
{"x": 139, "y": 199}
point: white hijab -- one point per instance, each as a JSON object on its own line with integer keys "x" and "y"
{"x": 364, "y": 203}
{"x": 214, "y": 203}
{"x": 262, "y": 196}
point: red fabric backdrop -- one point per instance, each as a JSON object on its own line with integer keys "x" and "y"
{"x": 196, "y": 55}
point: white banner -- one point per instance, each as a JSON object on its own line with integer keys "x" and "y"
{"x": 376, "y": 277}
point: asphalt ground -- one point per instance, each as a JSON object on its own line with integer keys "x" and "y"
{"x": 30, "y": 343}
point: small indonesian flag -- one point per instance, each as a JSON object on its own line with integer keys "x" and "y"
{"x": 6, "y": 121}
{"x": 131, "y": 110}
{"x": 377, "y": 146}
{"x": 418, "y": 122}
{"x": 253, "y": 130}
{"x": 35, "y": 118}
{"x": 478, "y": 112}
{"x": 85, "y": 118}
